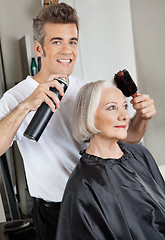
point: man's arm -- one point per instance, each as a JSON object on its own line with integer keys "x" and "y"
{"x": 10, "y": 124}
{"x": 145, "y": 110}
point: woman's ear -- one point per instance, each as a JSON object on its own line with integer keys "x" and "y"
{"x": 38, "y": 49}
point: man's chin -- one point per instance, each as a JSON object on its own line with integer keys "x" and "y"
{"x": 64, "y": 72}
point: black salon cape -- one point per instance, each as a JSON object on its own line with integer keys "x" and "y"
{"x": 109, "y": 199}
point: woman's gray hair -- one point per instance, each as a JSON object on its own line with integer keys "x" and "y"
{"x": 87, "y": 101}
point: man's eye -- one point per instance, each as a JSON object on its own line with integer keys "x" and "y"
{"x": 73, "y": 43}
{"x": 56, "y": 42}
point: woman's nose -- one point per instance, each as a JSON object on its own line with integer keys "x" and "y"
{"x": 124, "y": 116}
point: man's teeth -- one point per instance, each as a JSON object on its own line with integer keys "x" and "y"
{"x": 64, "y": 60}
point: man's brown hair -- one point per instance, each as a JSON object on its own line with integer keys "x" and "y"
{"x": 54, "y": 13}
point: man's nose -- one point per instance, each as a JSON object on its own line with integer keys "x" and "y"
{"x": 66, "y": 49}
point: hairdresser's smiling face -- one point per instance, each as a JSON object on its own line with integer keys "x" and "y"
{"x": 111, "y": 115}
{"x": 60, "y": 48}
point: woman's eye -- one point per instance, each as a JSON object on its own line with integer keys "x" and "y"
{"x": 126, "y": 106}
{"x": 113, "y": 107}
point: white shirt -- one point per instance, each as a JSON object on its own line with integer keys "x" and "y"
{"x": 49, "y": 162}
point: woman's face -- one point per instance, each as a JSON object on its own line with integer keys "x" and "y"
{"x": 111, "y": 116}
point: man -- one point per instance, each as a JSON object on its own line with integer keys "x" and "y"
{"x": 49, "y": 162}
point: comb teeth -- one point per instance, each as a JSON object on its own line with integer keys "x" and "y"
{"x": 125, "y": 83}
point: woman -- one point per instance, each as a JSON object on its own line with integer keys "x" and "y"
{"x": 116, "y": 191}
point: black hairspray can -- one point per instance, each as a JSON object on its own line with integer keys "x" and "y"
{"x": 43, "y": 115}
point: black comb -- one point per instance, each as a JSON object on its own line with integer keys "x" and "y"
{"x": 125, "y": 83}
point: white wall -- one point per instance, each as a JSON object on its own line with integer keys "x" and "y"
{"x": 106, "y": 45}
{"x": 15, "y": 21}
{"x": 148, "y": 19}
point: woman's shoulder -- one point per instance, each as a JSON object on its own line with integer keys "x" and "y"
{"x": 141, "y": 153}
{"x": 138, "y": 148}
